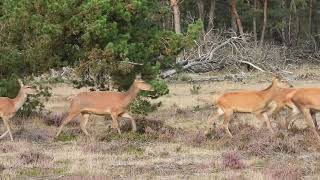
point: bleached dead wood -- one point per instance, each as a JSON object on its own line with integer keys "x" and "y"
{"x": 203, "y": 59}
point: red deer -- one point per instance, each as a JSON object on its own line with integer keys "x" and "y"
{"x": 307, "y": 100}
{"x": 104, "y": 103}
{"x": 255, "y": 102}
{"x": 9, "y": 107}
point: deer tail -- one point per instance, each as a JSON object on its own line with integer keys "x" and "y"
{"x": 212, "y": 100}
{"x": 215, "y": 98}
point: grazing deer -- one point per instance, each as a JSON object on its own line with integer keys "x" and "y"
{"x": 104, "y": 103}
{"x": 246, "y": 102}
{"x": 9, "y": 107}
{"x": 307, "y": 100}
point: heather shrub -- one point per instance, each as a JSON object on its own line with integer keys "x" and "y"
{"x": 259, "y": 141}
{"x": 195, "y": 138}
{"x": 232, "y": 160}
{"x": 6, "y": 148}
{"x": 33, "y": 157}
{"x": 35, "y": 135}
{"x": 56, "y": 118}
{"x": 95, "y": 147}
{"x": 282, "y": 171}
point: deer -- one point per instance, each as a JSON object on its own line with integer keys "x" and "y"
{"x": 307, "y": 100}
{"x": 255, "y": 102}
{"x": 280, "y": 101}
{"x": 104, "y": 103}
{"x": 9, "y": 107}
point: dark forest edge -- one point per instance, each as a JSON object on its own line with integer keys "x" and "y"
{"x": 108, "y": 42}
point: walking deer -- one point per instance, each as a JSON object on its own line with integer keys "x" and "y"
{"x": 246, "y": 102}
{"x": 307, "y": 100}
{"x": 104, "y": 103}
{"x": 281, "y": 101}
{"x": 9, "y": 107}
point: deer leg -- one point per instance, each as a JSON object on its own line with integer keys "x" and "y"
{"x": 274, "y": 109}
{"x": 6, "y": 123}
{"x": 66, "y": 121}
{"x": 115, "y": 122}
{"x": 264, "y": 117}
{"x": 313, "y": 115}
{"x": 267, "y": 120}
{"x": 83, "y": 123}
{"x": 4, "y": 134}
{"x": 293, "y": 117}
{"x": 309, "y": 120}
{"x": 214, "y": 116}
{"x": 227, "y": 117}
{"x": 134, "y": 125}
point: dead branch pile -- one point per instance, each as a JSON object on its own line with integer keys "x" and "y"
{"x": 219, "y": 50}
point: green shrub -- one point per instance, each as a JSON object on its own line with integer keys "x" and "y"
{"x": 160, "y": 89}
{"x": 64, "y": 137}
{"x": 142, "y": 106}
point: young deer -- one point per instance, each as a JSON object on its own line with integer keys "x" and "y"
{"x": 9, "y": 107}
{"x": 307, "y": 100}
{"x": 104, "y": 103}
{"x": 246, "y": 102}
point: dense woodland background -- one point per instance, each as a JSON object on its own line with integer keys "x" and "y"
{"x": 114, "y": 40}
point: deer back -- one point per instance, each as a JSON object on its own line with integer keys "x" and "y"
{"x": 100, "y": 100}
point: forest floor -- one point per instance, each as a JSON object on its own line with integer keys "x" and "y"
{"x": 170, "y": 143}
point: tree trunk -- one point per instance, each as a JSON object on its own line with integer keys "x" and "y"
{"x": 176, "y": 15}
{"x": 315, "y": 24}
{"x": 234, "y": 24}
{"x": 298, "y": 30}
{"x": 236, "y": 16}
{"x": 289, "y": 30}
{"x": 310, "y": 16}
{"x": 255, "y": 22}
{"x": 211, "y": 14}
{"x": 200, "y": 4}
{"x": 265, "y": 14}
{"x": 283, "y": 28}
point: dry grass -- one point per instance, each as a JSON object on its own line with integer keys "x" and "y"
{"x": 169, "y": 144}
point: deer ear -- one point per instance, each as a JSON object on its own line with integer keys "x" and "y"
{"x": 20, "y": 82}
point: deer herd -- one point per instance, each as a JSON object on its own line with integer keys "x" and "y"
{"x": 263, "y": 104}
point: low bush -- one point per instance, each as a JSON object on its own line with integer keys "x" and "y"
{"x": 195, "y": 138}
{"x": 232, "y": 160}
{"x": 2, "y": 167}
{"x": 282, "y": 171}
{"x": 33, "y": 157}
{"x": 68, "y": 135}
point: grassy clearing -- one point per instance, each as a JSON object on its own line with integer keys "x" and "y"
{"x": 169, "y": 143}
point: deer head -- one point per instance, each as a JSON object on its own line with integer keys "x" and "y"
{"x": 281, "y": 82}
{"x": 29, "y": 90}
{"x": 26, "y": 89}
{"x": 142, "y": 85}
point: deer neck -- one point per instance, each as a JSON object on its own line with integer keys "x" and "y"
{"x": 270, "y": 92}
{"x": 131, "y": 94}
{"x": 19, "y": 100}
